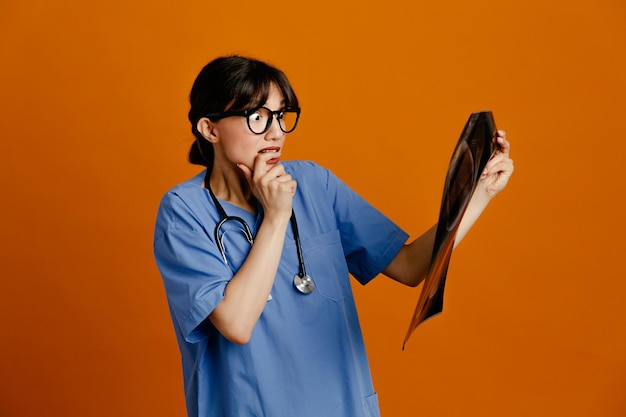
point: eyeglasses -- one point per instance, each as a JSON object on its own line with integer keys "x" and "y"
{"x": 260, "y": 119}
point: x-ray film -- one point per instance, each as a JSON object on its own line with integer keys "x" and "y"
{"x": 472, "y": 152}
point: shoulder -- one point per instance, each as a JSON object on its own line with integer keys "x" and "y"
{"x": 309, "y": 171}
{"x": 193, "y": 184}
{"x": 302, "y": 166}
{"x": 186, "y": 190}
{"x": 182, "y": 200}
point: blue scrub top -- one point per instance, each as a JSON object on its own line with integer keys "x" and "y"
{"x": 306, "y": 356}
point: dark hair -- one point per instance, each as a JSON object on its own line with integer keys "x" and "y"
{"x": 231, "y": 83}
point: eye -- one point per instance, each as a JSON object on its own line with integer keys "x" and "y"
{"x": 260, "y": 115}
{"x": 255, "y": 117}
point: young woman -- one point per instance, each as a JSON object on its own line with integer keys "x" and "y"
{"x": 256, "y": 253}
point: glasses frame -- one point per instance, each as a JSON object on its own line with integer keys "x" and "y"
{"x": 273, "y": 113}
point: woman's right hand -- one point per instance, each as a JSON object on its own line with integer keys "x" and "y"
{"x": 271, "y": 185}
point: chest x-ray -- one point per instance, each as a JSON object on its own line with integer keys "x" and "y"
{"x": 472, "y": 152}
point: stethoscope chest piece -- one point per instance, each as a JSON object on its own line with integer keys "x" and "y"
{"x": 304, "y": 284}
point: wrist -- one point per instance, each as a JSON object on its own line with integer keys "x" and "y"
{"x": 277, "y": 220}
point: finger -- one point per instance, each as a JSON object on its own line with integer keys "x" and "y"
{"x": 261, "y": 162}
{"x": 275, "y": 170}
{"x": 498, "y": 165}
{"x": 257, "y": 167}
{"x": 288, "y": 186}
{"x": 494, "y": 163}
{"x": 503, "y": 143}
{"x": 495, "y": 158}
{"x": 282, "y": 178}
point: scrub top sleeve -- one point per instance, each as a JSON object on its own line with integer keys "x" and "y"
{"x": 370, "y": 240}
{"x": 192, "y": 269}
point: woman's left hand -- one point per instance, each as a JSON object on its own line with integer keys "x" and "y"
{"x": 498, "y": 170}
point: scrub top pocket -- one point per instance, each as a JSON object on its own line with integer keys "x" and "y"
{"x": 326, "y": 265}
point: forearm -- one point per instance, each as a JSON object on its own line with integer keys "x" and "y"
{"x": 411, "y": 264}
{"x": 493, "y": 179}
{"x": 474, "y": 209}
{"x": 247, "y": 292}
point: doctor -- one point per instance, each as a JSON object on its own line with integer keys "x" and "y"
{"x": 255, "y": 254}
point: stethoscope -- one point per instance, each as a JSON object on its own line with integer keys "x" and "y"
{"x": 301, "y": 280}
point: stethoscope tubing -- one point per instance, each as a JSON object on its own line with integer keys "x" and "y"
{"x": 302, "y": 281}
{"x": 220, "y": 245}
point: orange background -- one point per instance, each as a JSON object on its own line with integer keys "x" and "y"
{"x": 93, "y": 131}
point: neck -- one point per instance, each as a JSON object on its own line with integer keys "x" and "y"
{"x": 231, "y": 186}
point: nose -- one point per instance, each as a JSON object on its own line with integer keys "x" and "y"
{"x": 274, "y": 132}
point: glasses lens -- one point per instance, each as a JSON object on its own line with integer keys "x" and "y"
{"x": 288, "y": 120}
{"x": 259, "y": 120}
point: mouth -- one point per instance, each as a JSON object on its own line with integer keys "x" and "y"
{"x": 269, "y": 150}
{"x": 275, "y": 150}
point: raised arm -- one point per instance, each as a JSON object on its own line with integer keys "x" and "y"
{"x": 411, "y": 264}
{"x": 247, "y": 292}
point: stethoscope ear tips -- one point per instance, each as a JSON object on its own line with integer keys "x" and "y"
{"x": 304, "y": 284}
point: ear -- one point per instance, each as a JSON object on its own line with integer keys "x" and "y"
{"x": 208, "y": 129}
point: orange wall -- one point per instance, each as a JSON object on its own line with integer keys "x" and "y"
{"x": 93, "y": 131}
